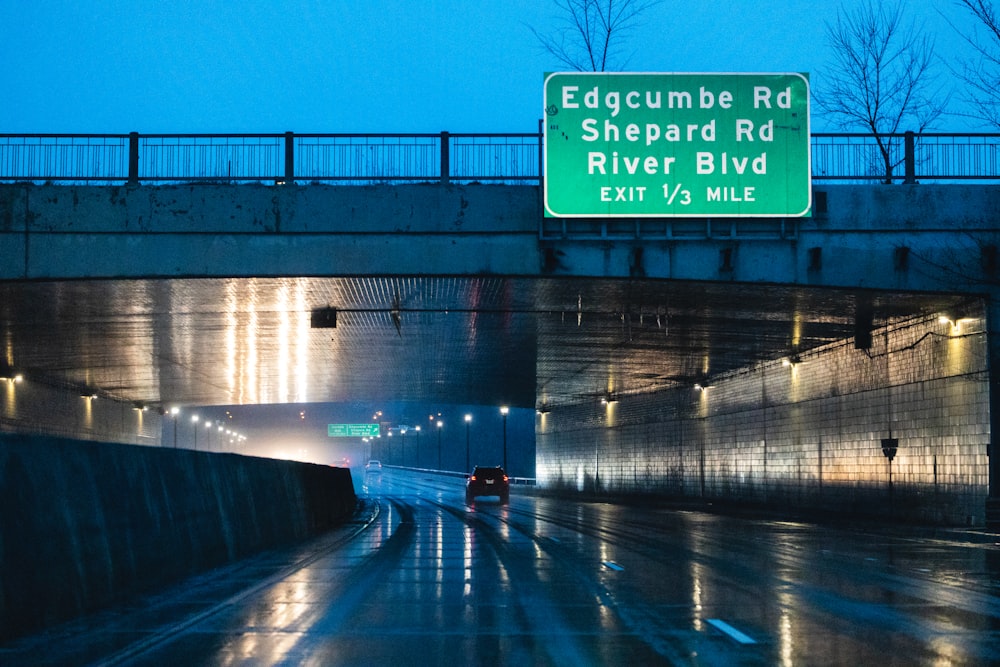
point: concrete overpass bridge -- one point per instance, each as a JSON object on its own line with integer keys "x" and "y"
{"x": 839, "y": 362}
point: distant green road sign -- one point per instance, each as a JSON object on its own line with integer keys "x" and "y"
{"x": 677, "y": 145}
{"x": 352, "y": 430}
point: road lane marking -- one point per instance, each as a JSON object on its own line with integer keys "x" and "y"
{"x": 611, "y": 565}
{"x": 733, "y": 633}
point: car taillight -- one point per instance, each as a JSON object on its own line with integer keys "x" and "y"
{"x": 505, "y": 478}
{"x": 472, "y": 479}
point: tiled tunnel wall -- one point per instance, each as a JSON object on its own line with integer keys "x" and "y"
{"x": 32, "y": 405}
{"x": 800, "y": 436}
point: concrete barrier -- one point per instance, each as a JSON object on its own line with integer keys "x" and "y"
{"x": 84, "y": 525}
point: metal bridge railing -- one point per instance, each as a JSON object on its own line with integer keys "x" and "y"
{"x": 364, "y": 159}
{"x": 906, "y": 157}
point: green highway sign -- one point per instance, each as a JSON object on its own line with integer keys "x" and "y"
{"x": 352, "y": 430}
{"x": 677, "y": 145}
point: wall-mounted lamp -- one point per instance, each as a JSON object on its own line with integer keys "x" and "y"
{"x": 610, "y": 398}
{"x": 954, "y": 321}
{"x": 13, "y": 378}
{"x": 792, "y": 361}
{"x": 139, "y": 406}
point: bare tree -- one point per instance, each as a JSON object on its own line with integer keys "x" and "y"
{"x": 981, "y": 74}
{"x": 591, "y": 32}
{"x": 883, "y": 77}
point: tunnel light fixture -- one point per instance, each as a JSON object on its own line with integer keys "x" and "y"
{"x": 610, "y": 398}
{"x": 792, "y": 361}
{"x": 323, "y": 318}
{"x": 953, "y": 319}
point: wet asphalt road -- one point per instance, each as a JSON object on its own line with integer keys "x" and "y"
{"x": 419, "y": 578}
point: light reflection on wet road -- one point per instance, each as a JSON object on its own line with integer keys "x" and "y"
{"x": 421, "y": 579}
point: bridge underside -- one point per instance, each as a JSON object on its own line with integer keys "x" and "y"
{"x": 529, "y": 342}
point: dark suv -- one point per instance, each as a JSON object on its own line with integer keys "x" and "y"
{"x": 486, "y": 481}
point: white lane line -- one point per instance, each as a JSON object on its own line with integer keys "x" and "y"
{"x": 611, "y": 565}
{"x": 730, "y": 630}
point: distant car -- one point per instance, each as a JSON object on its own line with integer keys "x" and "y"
{"x": 485, "y": 481}
{"x": 344, "y": 463}
{"x": 373, "y": 466}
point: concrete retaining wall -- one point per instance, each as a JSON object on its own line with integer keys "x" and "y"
{"x": 807, "y": 436}
{"x": 84, "y": 525}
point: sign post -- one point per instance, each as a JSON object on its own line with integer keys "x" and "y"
{"x": 677, "y": 145}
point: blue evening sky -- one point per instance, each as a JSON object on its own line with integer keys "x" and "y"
{"x": 221, "y": 66}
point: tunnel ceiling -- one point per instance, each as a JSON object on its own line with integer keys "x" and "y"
{"x": 521, "y": 341}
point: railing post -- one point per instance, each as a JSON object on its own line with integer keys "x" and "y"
{"x": 909, "y": 160}
{"x": 133, "y": 158}
{"x": 289, "y": 158}
{"x": 445, "y": 159}
{"x": 541, "y": 152}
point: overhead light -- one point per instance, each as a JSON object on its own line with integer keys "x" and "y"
{"x": 324, "y": 318}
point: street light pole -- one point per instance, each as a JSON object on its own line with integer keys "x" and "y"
{"x": 194, "y": 421}
{"x": 504, "y": 410}
{"x": 440, "y": 426}
{"x": 468, "y": 421}
{"x": 417, "y": 429}
{"x": 173, "y": 411}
